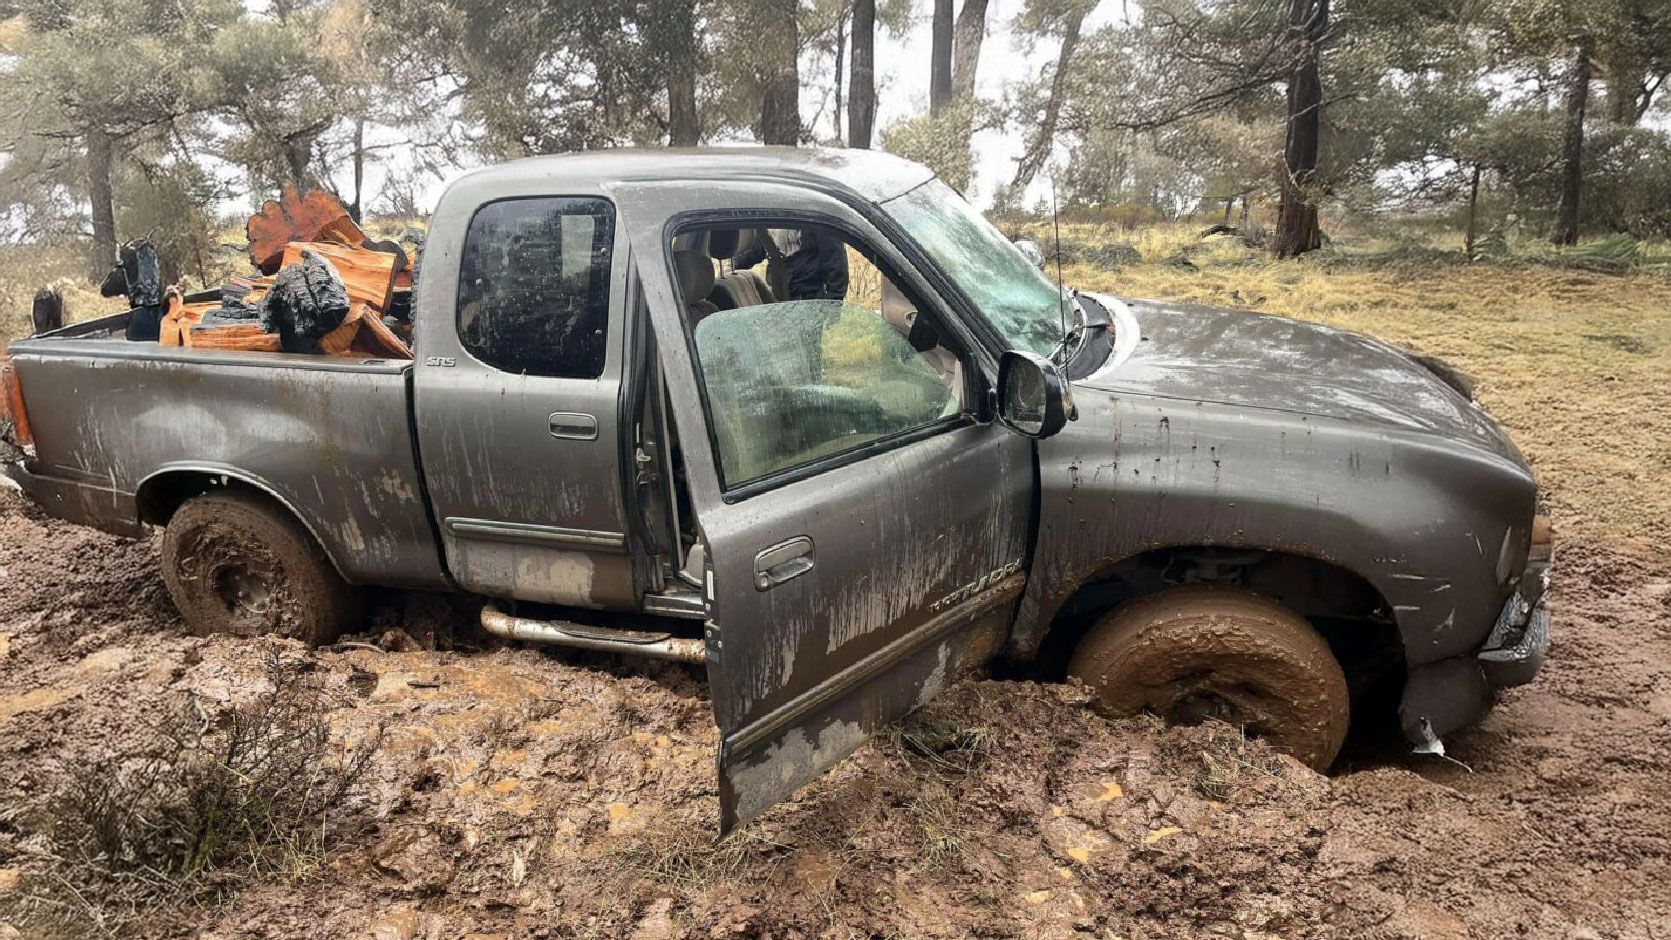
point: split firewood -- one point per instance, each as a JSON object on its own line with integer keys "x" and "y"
{"x": 179, "y": 318}
{"x": 340, "y": 341}
{"x": 376, "y": 339}
{"x": 314, "y": 217}
{"x": 367, "y": 275}
{"x": 306, "y": 302}
{"x": 363, "y": 333}
{"x": 245, "y": 336}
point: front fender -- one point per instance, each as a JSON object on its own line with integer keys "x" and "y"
{"x": 1440, "y": 528}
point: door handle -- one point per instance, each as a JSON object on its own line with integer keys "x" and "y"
{"x": 569, "y": 426}
{"x": 782, "y": 562}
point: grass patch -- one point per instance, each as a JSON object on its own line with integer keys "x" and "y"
{"x": 687, "y": 860}
{"x": 211, "y": 802}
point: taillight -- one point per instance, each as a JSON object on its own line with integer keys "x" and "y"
{"x": 11, "y": 404}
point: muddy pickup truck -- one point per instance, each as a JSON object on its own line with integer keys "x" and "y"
{"x": 835, "y": 477}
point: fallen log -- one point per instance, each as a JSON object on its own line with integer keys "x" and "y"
{"x": 312, "y": 217}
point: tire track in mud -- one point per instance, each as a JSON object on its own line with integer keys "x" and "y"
{"x": 524, "y": 793}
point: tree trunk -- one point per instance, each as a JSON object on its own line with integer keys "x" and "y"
{"x": 966, "y": 48}
{"x": 1472, "y": 216}
{"x": 1297, "y": 231}
{"x": 356, "y": 208}
{"x": 297, "y": 150}
{"x": 684, "y": 127}
{"x": 840, "y": 56}
{"x": 1572, "y": 148}
{"x": 780, "y": 106}
{"x": 100, "y": 164}
{"x": 940, "y": 58}
{"x": 861, "y": 97}
{"x": 1043, "y": 140}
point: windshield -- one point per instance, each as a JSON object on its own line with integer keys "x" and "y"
{"x": 1012, "y": 294}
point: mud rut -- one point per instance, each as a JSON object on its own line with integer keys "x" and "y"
{"x": 524, "y": 794}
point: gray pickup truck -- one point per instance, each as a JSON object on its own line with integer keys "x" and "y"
{"x": 837, "y": 478}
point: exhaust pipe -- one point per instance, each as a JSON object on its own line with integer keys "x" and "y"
{"x": 603, "y": 639}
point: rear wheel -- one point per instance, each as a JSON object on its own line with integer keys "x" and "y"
{"x": 1197, "y": 652}
{"x": 234, "y": 563}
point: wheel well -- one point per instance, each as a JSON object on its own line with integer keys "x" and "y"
{"x": 1345, "y": 608}
{"x": 161, "y": 496}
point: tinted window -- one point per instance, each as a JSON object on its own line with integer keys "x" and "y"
{"x": 533, "y": 286}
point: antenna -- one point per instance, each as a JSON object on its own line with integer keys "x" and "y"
{"x": 1056, "y": 233}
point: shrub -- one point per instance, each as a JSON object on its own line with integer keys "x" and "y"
{"x": 210, "y": 803}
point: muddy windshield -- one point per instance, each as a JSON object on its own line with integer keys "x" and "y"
{"x": 1009, "y": 291}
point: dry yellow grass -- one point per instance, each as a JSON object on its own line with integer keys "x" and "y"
{"x": 25, "y": 269}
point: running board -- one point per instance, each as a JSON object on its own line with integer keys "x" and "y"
{"x": 605, "y": 639}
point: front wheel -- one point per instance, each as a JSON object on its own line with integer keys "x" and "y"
{"x": 1197, "y": 652}
{"x": 235, "y": 563}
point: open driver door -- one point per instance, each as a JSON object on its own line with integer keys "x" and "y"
{"x": 865, "y": 526}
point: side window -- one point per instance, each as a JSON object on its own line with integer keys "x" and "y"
{"x": 806, "y": 348}
{"x": 533, "y": 285}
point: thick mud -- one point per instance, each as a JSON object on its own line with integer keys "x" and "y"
{"x": 524, "y": 793}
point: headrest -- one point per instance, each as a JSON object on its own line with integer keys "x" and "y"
{"x": 897, "y": 309}
{"x": 724, "y": 243}
{"x": 696, "y": 275}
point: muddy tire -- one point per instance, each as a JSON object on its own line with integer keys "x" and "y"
{"x": 1197, "y": 652}
{"x": 234, "y": 563}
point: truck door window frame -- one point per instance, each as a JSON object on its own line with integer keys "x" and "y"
{"x": 970, "y": 398}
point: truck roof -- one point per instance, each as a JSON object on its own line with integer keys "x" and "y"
{"x": 871, "y": 174}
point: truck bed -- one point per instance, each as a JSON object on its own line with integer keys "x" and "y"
{"x": 116, "y": 422}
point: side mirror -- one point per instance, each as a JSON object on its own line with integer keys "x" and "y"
{"x": 1033, "y": 396}
{"x": 1031, "y": 251}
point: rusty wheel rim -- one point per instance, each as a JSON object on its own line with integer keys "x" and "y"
{"x": 243, "y": 589}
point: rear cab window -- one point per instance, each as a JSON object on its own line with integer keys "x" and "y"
{"x": 533, "y": 287}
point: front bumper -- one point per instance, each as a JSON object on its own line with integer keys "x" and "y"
{"x": 1514, "y": 652}
{"x": 1441, "y": 697}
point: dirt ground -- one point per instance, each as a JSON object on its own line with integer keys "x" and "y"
{"x": 525, "y": 793}
{"x": 520, "y": 793}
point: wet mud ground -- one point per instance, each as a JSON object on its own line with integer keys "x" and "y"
{"x": 526, "y": 793}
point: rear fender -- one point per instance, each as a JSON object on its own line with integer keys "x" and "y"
{"x": 163, "y": 492}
